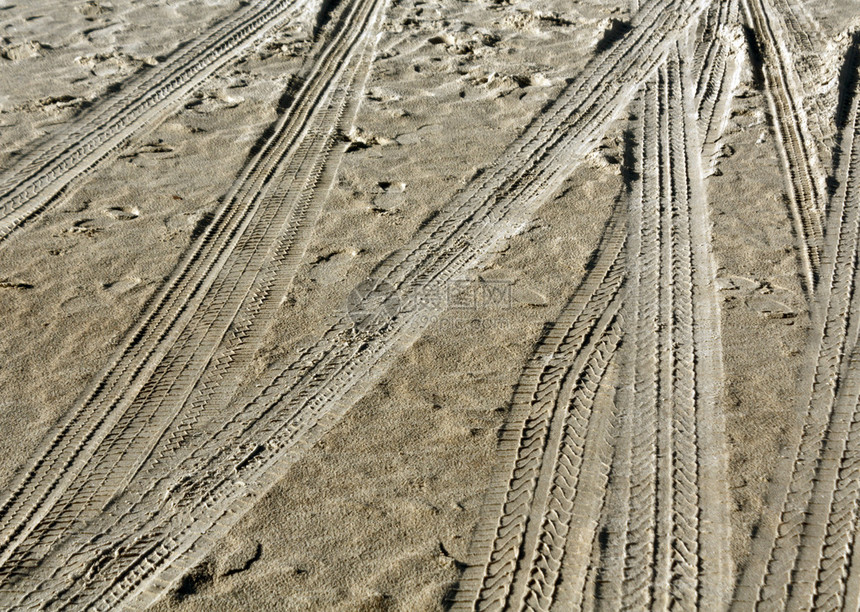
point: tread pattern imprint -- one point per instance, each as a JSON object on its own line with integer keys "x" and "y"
{"x": 805, "y": 555}
{"x": 611, "y": 484}
{"x": 161, "y": 456}
{"x": 611, "y": 490}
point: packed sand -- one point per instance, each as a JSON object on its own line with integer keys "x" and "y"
{"x": 390, "y": 304}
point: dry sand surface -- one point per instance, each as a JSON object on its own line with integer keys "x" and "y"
{"x": 410, "y": 305}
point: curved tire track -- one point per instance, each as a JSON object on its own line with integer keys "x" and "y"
{"x": 208, "y": 319}
{"x": 669, "y": 549}
{"x": 804, "y": 556}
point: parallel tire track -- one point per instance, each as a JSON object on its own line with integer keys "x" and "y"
{"x": 804, "y": 174}
{"x": 157, "y": 524}
{"x": 558, "y": 372}
{"x": 234, "y": 278}
{"x": 714, "y": 61}
{"x": 802, "y": 41}
{"x": 558, "y": 527}
{"x": 645, "y": 282}
{"x": 669, "y": 509}
{"x": 674, "y": 547}
{"x": 52, "y": 164}
{"x": 805, "y": 555}
{"x": 716, "y": 66}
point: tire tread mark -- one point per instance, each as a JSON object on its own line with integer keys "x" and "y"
{"x": 674, "y": 539}
{"x": 533, "y": 403}
{"x": 308, "y": 396}
{"x": 53, "y": 163}
{"x": 805, "y": 537}
{"x": 545, "y": 566}
{"x": 803, "y": 169}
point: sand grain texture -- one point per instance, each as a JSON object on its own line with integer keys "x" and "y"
{"x": 387, "y": 304}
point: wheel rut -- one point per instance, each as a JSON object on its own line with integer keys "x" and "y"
{"x": 148, "y": 506}
{"x": 621, "y": 503}
{"x": 803, "y": 557}
{"x": 51, "y": 165}
{"x": 805, "y": 177}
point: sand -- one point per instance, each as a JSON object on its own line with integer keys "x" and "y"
{"x": 412, "y": 306}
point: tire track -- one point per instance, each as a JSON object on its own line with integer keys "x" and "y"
{"x": 580, "y": 559}
{"x": 614, "y": 514}
{"x": 644, "y": 285}
{"x": 802, "y": 41}
{"x": 570, "y": 474}
{"x": 158, "y": 525}
{"x": 211, "y": 316}
{"x": 30, "y": 186}
{"x": 674, "y": 540}
{"x": 805, "y": 178}
{"x": 540, "y": 494}
{"x": 804, "y": 554}
{"x": 716, "y": 63}
{"x": 566, "y": 359}
{"x": 666, "y": 502}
